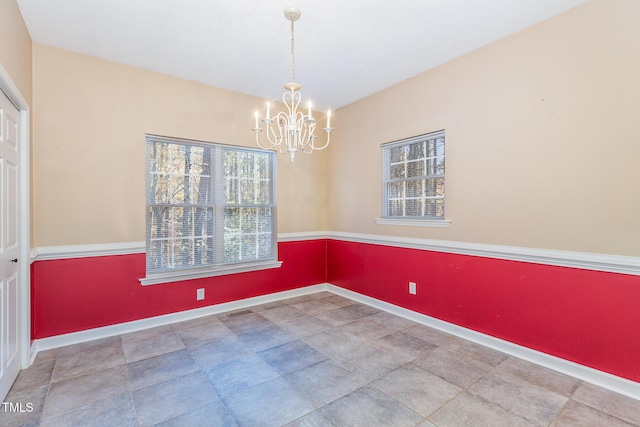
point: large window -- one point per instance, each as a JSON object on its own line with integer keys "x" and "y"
{"x": 210, "y": 209}
{"x": 413, "y": 181}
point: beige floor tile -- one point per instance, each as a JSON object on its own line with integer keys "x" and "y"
{"x": 534, "y": 403}
{"x": 453, "y": 367}
{"x": 244, "y": 371}
{"x": 198, "y": 321}
{"x": 268, "y": 306}
{"x": 392, "y": 321}
{"x": 89, "y": 357}
{"x": 541, "y": 376}
{"x": 367, "y": 329}
{"x": 68, "y": 394}
{"x": 21, "y": 415}
{"x": 291, "y": 357}
{"x": 302, "y": 298}
{"x": 577, "y": 414}
{"x": 400, "y": 341}
{"x": 216, "y": 352}
{"x": 314, "y": 306}
{"x": 201, "y": 334}
{"x": 146, "y": 334}
{"x": 282, "y": 313}
{"x": 612, "y": 403}
{"x": 39, "y": 373}
{"x": 246, "y": 322}
{"x": 117, "y": 411}
{"x": 338, "y": 300}
{"x": 153, "y": 370}
{"x": 153, "y": 345}
{"x": 425, "y": 333}
{"x": 322, "y": 295}
{"x": 313, "y": 419}
{"x": 362, "y": 310}
{"x": 337, "y": 317}
{"x": 214, "y": 414}
{"x": 323, "y": 382}
{"x": 272, "y": 403}
{"x": 369, "y": 406}
{"x": 345, "y": 349}
{"x": 417, "y": 389}
{"x": 473, "y": 350}
{"x": 303, "y": 326}
{"x": 266, "y": 338}
{"x": 468, "y": 410}
{"x": 376, "y": 361}
{"x": 172, "y": 398}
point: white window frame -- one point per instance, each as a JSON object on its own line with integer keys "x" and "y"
{"x": 217, "y": 205}
{"x": 423, "y": 220}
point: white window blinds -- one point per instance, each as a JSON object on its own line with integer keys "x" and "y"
{"x": 208, "y": 205}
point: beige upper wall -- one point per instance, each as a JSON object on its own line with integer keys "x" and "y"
{"x": 15, "y": 47}
{"x": 542, "y": 141}
{"x": 542, "y": 132}
{"x": 89, "y": 147}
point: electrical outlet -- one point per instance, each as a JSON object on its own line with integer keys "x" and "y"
{"x": 200, "y": 294}
{"x": 412, "y": 288}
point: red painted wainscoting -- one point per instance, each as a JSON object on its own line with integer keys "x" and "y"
{"x": 588, "y": 317}
{"x": 70, "y": 295}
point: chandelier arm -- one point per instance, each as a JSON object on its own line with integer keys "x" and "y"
{"x": 307, "y": 149}
{"x": 292, "y": 101}
{"x": 301, "y": 129}
{"x": 258, "y": 142}
{"x": 270, "y": 141}
{"x": 326, "y": 143}
{"x": 276, "y": 140}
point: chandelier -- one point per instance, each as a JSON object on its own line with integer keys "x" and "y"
{"x": 291, "y": 130}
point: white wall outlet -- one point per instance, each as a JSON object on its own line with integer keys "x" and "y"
{"x": 200, "y": 294}
{"x": 412, "y": 288}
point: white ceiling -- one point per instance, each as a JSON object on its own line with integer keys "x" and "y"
{"x": 345, "y": 49}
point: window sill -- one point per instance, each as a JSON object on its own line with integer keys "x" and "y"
{"x": 440, "y": 223}
{"x": 177, "y": 276}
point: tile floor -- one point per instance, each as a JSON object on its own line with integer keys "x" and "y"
{"x": 316, "y": 360}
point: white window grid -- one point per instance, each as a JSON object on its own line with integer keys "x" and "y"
{"x": 413, "y": 177}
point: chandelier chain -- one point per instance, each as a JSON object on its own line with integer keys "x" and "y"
{"x": 293, "y": 62}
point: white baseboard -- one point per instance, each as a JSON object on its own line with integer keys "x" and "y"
{"x": 33, "y": 352}
{"x": 581, "y": 372}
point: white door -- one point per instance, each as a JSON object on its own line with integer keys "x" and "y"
{"x": 9, "y": 247}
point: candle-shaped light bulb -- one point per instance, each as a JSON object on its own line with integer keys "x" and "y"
{"x": 309, "y": 109}
{"x": 256, "y": 115}
{"x": 328, "y": 118}
{"x": 268, "y": 109}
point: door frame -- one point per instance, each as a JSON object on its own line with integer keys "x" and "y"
{"x": 24, "y": 212}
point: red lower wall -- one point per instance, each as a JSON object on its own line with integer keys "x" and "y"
{"x": 588, "y": 317}
{"x": 70, "y": 295}
{"x": 584, "y": 316}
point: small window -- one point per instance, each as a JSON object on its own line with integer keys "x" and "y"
{"x": 413, "y": 179}
{"x": 210, "y": 209}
